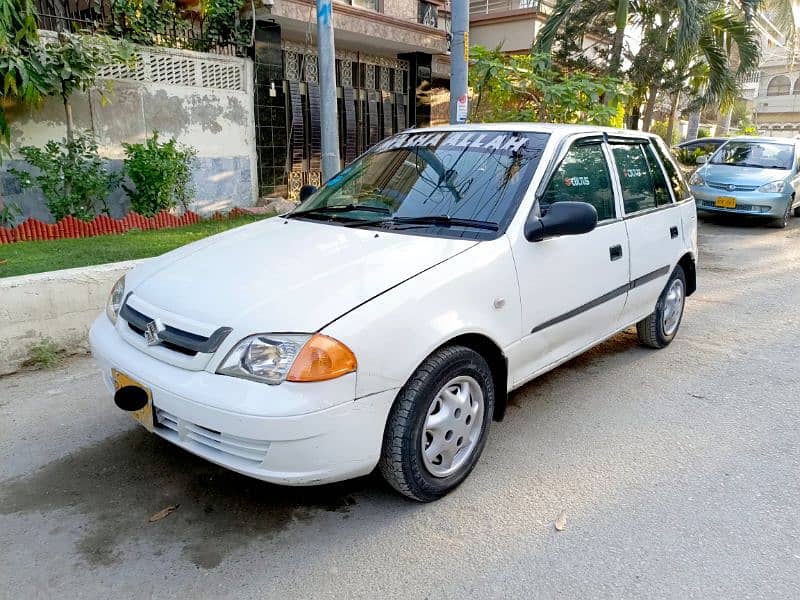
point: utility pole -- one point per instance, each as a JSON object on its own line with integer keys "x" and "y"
{"x": 327, "y": 86}
{"x": 459, "y": 57}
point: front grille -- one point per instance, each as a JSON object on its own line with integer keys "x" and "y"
{"x": 169, "y": 345}
{"x": 253, "y": 451}
{"x": 178, "y": 340}
{"x": 736, "y": 188}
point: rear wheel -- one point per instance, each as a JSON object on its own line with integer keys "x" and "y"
{"x": 796, "y": 209}
{"x": 659, "y": 328}
{"x": 438, "y": 425}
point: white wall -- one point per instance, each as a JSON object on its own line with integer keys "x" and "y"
{"x": 203, "y": 100}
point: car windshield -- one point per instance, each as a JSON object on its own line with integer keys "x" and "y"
{"x": 763, "y": 155}
{"x": 448, "y": 183}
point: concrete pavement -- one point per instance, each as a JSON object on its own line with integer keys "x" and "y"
{"x": 678, "y": 471}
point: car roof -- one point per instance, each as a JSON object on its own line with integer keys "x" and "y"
{"x": 769, "y": 140}
{"x": 705, "y": 140}
{"x": 556, "y": 129}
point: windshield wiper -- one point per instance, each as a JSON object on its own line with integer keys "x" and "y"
{"x": 440, "y": 220}
{"x": 342, "y": 208}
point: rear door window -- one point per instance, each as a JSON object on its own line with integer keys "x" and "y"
{"x": 638, "y": 190}
{"x": 676, "y": 181}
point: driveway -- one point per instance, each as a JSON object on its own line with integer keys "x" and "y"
{"x": 678, "y": 472}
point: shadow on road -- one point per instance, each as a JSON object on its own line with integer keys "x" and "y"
{"x": 123, "y": 480}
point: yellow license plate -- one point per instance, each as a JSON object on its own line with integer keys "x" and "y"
{"x": 726, "y": 202}
{"x": 143, "y": 415}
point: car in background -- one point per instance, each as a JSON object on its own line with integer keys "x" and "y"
{"x": 688, "y": 152}
{"x": 750, "y": 176}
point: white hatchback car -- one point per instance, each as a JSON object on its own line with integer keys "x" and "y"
{"x": 384, "y": 321}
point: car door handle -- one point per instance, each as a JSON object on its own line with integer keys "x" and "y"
{"x": 673, "y": 232}
{"x": 615, "y": 252}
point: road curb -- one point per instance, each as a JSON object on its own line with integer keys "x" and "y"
{"x": 56, "y": 305}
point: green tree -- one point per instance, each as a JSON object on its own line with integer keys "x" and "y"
{"x": 676, "y": 36}
{"x": 75, "y": 61}
{"x": 24, "y": 76}
{"x": 529, "y": 87}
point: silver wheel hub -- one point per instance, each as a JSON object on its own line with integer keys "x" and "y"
{"x": 453, "y": 426}
{"x": 673, "y": 307}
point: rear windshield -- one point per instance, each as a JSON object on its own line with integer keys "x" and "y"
{"x": 472, "y": 176}
{"x": 762, "y": 155}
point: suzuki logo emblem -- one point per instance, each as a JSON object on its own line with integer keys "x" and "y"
{"x": 152, "y": 331}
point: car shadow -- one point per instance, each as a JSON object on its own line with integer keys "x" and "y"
{"x": 122, "y": 481}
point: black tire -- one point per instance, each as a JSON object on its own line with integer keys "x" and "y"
{"x": 402, "y": 463}
{"x": 796, "y": 209}
{"x": 651, "y": 329}
{"x": 783, "y": 222}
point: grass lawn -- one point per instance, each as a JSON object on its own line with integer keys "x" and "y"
{"x": 22, "y": 258}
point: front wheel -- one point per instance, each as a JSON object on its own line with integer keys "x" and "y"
{"x": 783, "y": 221}
{"x": 438, "y": 425}
{"x": 659, "y": 329}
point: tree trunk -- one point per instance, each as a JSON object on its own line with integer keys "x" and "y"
{"x": 724, "y": 122}
{"x": 633, "y": 117}
{"x": 621, "y": 21}
{"x": 693, "y": 126}
{"x": 68, "y": 119}
{"x": 673, "y": 114}
{"x": 650, "y": 107}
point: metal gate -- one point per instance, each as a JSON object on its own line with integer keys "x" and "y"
{"x": 372, "y": 97}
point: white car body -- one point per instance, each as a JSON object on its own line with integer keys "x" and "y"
{"x": 392, "y": 298}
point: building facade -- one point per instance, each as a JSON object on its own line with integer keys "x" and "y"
{"x": 248, "y": 101}
{"x": 776, "y": 105}
{"x": 391, "y": 56}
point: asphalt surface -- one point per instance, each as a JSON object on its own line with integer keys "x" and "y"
{"x": 678, "y": 473}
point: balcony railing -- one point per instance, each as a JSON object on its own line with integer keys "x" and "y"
{"x": 487, "y": 7}
{"x": 184, "y": 28}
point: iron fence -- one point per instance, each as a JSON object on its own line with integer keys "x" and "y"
{"x": 185, "y": 28}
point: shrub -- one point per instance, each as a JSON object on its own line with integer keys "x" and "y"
{"x": 72, "y": 176}
{"x": 160, "y": 173}
{"x": 688, "y": 157}
{"x": 9, "y": 213}
{"x": 703, "y": 132}
{"x": 44, "y": 354}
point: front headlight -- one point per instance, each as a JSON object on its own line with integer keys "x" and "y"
{"x": 276, "y": 357}
{"x": 697, "y": 179}
{"x": 115, "y": 300}
{"x": 774, "y": 187}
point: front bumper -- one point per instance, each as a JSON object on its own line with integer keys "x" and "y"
{"x": 335, "y": 443}
{"x": 747, "y": 203}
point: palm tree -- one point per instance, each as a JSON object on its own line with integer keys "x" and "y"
{"x": 687, "y": 32}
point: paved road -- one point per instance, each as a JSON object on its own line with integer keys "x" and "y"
{"x": 678, "y": 472}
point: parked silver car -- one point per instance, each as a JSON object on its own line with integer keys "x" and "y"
{"x": 753, "y": 176}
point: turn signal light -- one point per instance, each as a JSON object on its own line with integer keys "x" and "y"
{"x": 322, "y": 358}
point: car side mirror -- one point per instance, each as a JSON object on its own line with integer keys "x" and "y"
{"x": 306, "y": 191}
{"x": 701, "y": 160}
{"x": 562, "y": 218}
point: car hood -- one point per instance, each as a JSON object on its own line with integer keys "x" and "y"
{"x": 284, "y": 275}
{"x": 742, "y": 175}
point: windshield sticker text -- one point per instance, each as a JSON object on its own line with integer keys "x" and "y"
{"x": 488, "y": 141}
